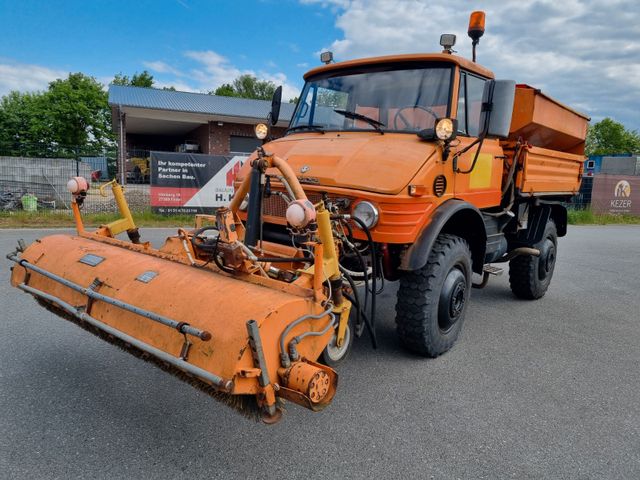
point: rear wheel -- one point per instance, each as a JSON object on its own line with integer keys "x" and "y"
{"x": 530, "y": 276}
{"x": 432, "y": 301}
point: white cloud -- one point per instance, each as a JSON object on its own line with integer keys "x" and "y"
{"x": 288, "y": 91}
{"x": 213, "y": 69}
{"x": 209, "y": 70}
{"x": 25, "y": 77}
{"x": 586, "y": 53}
{"x": 178, "y": 85}
{"x": 162, "y": 67}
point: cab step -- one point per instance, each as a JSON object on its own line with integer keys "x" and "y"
{"x": 491, "y": 270}
{"x": 487, "y": 271}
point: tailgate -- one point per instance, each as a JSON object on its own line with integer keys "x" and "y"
{"x": 549, "y": 171}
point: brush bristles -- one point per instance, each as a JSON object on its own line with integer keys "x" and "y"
{"x": 244, "y": 404}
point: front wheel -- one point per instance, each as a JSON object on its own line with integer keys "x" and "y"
{"x": 432, "y": 301}
{"x": 530, "y": 276}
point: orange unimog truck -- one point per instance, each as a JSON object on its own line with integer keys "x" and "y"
{"x": 417, "y": 168}
{"x": 434, "y": 171}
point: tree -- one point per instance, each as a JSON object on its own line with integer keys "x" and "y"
{"x": 71, "y": 113}
{"x": 78, "y": 111}
{"x": 21, "y": 117}
{"x": 224, "y": 90}
{"x": 144, "y": 79}
{"x": 608, "y": 137}
{"x": 247, "y": 86}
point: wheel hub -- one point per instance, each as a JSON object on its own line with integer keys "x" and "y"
{"x": 452, "y": 299}
{"x": 547, "y": 259}
{"x": 457, "y": 300}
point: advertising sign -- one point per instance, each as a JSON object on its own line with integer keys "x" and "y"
{"x": 616, "y": 194}
{"x": 191, "y": 182}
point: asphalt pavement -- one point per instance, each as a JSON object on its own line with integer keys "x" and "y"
{"x": 542, "y": 389}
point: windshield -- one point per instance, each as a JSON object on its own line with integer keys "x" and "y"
{"x": 396, "y": 98}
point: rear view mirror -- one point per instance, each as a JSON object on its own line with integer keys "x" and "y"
{"x": 276, "y": 101}
{"x": 497, "y": 107}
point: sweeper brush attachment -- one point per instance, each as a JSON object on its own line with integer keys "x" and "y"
{"x": 242, "y": 319}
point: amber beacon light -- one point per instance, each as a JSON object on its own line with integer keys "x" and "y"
{"x": 476, "y": 29}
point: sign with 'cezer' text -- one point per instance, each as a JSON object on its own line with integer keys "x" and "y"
{"x": 191, "y": 182}
{"x": 616, "y": 194}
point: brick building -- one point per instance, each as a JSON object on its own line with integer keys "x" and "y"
{"x": 150, "y": 119}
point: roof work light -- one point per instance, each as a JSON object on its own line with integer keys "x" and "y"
{"x": 447, "y": 41}
{"x": 326, "y": 57}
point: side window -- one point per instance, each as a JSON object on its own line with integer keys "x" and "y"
{"x": 470, "y": 104}
{"x": 462, "y": 105}
{"x": 475, "y": 88}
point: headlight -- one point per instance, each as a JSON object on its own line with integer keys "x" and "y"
{"x": 446, "y": 129}
{"x": 261, "y": 130}
{"x": 367, "y": 212}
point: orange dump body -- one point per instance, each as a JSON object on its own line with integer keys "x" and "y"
{"x": 547, "y": 123}
{"x": 552, "y": 161}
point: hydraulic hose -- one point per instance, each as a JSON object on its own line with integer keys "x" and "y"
{"x": 374, "y": 266}
{"x": 293, "y": 351}
{"x": 475, "y": 158}
{"x": 287, "y": 173}
{"x": 284, "y": 357}
{"x": 356, "y": 301}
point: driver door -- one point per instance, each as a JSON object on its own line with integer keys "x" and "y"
{"x": 477, "y": 184}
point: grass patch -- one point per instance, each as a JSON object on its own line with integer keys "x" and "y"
{"x": 22, "y": 219}
{"x": 146, "y": 218}
{"x": 587, "y": 217}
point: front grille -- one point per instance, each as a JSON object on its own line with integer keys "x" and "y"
{"x": 275, "y": 206}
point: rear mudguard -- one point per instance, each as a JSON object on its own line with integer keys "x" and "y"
{"x": 456, "y": 217}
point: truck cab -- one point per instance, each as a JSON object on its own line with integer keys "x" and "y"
{"x": 438, "y": 171}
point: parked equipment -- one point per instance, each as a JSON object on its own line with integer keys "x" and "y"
{"x": 419, "y": 168}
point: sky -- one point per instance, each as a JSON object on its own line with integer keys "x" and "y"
{"x": 585, "y": 53}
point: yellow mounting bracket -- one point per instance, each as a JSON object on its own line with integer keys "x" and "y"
{"x": 331, "y": 268}
{"x": 344, "y": 310}
{"x": 125, "y": 223}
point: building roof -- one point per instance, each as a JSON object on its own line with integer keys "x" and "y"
{"x": 197, "y": 103}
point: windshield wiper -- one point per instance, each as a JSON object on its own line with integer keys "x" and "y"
{"x": 313, "y": 128}
{"x": 358, "y": 116}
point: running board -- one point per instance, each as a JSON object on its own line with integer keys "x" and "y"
{"x": 491, "y": 270}
{"x": 487, "y": 271}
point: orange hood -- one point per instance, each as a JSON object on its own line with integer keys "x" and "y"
{"x": 364, "y": 161}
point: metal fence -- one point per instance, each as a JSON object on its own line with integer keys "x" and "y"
{"x": 34, "y": 178}
{"x": 582, "y": 201}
